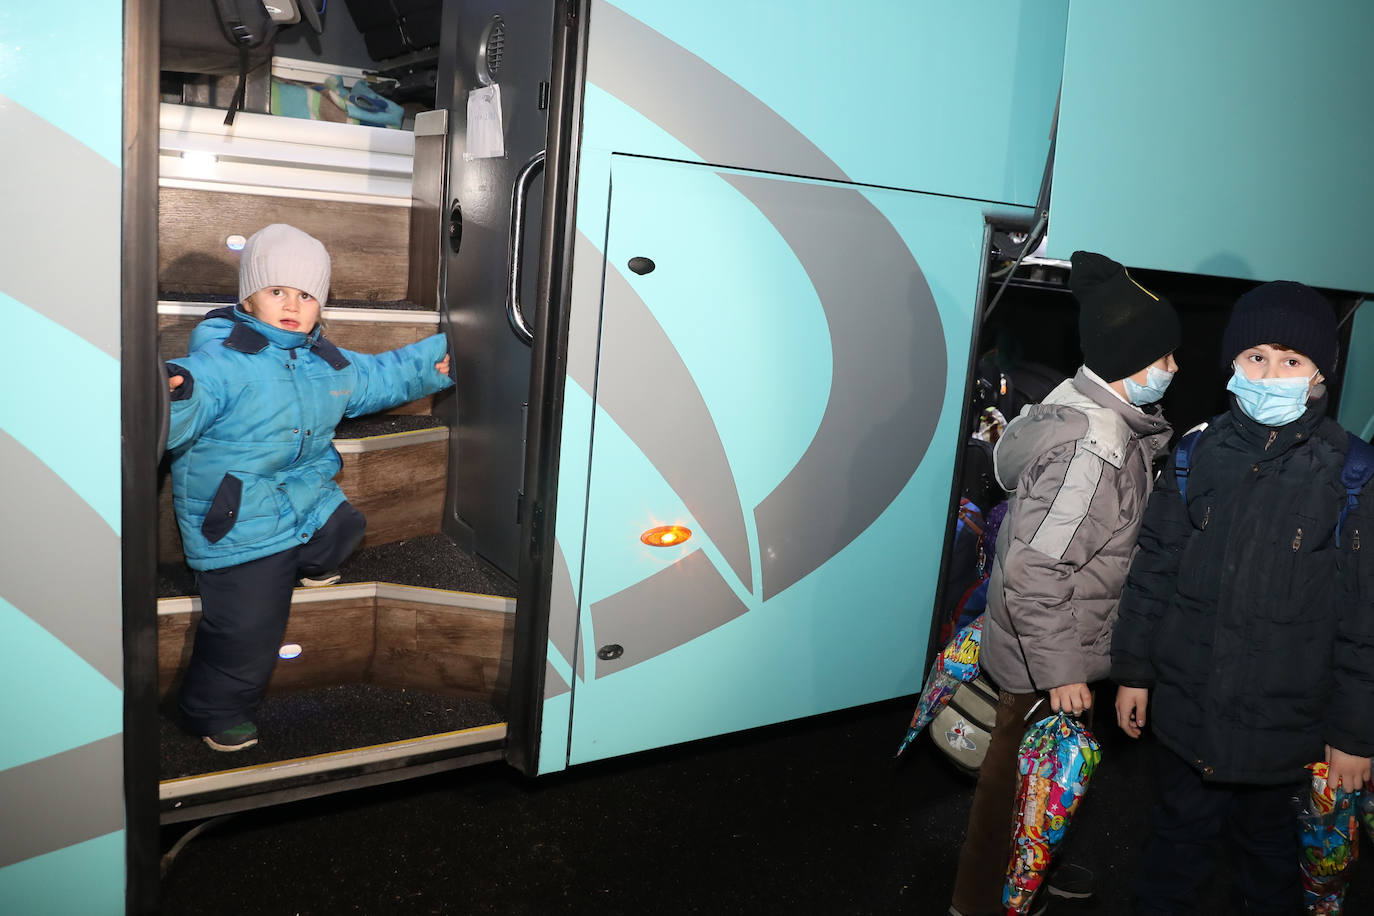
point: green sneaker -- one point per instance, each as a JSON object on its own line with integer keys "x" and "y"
{"x": 235, "y": 738}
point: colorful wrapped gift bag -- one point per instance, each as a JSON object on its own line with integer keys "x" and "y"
{"x": 955, "y": 665}
{"x": 1057, "y": 759}
{"x": 1328, "y": 823}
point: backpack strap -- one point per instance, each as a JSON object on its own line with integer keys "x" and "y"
{"x": 1183, "y": 455}
{"x": 1183, "y": 458}
{"x": 1357, "y": 471}
{"x": 247, "y": 25}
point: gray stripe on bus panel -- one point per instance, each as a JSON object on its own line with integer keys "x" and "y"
{"x": 668, "y": 419}
{"x": 554, "y": 685}
{"x": 888, "y": 374}
{"x": 692, "y": 100}
{"x": 653, "y": 75}
{"x": 667, "y": 610}
{"x": 59, "y": 561}
{"x": 59, "y": 801}
{"x": 584, "y": 326}
{"x": 563, "y": 610}
{"x": 64, "y": 263}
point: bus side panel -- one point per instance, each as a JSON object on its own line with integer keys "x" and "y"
{"x": 61, "y": 762}
{"x": 937, "y": 101}
{"x": 919, "y": 94}
{"x": 1241, "y": 152}
{"x": 1357, "y": 391}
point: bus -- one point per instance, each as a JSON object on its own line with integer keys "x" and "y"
{"x": 717, "y": 278}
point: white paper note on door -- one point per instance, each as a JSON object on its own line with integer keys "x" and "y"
{"x": 485, "y": 138}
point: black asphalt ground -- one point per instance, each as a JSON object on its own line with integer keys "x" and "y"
{"x": 807, "y": 817}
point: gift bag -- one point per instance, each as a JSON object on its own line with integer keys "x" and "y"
{"x": 956, "y": 664}
{"x": 1057, "y": 759}
{"x": 1328, "y": 825}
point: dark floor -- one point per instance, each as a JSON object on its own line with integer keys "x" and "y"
{"x": 807, "y": 818}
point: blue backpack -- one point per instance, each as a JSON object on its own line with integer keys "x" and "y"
{"x": 1357, "y": 471}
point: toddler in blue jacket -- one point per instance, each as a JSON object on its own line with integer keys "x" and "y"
{"x": 253, "y": 411}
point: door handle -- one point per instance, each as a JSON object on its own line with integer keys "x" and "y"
{"x": 518, "y": 203}
{"x": 455, "y": 226}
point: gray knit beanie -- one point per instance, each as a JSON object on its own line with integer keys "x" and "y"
{"x": 282, "y": 255}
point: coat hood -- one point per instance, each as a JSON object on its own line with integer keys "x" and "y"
{"x": 1078, "y": 409}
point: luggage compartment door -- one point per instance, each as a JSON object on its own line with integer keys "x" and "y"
{"x": 780, "y": 368}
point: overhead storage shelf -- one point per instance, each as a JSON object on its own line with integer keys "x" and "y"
{"x": 284, "y": 157}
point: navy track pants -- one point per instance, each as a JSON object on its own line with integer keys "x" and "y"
{"x": 244, "y": 610}
{"x": 1194, "y": 819}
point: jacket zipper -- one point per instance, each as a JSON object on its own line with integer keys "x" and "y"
{"x": 1273, "y": 434}
{"x": 300, "y": 401}
{"x": 1206, "y": 516}
{"x": 1297, "y": 540}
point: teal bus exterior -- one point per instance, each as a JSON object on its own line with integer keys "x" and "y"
{"x": 777, "y": 221}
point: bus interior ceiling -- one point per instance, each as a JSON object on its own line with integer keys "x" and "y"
{"x": 414, "y": 641}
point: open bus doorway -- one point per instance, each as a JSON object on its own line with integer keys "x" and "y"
{"x": 402, "y": 666}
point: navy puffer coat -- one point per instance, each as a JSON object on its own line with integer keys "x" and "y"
{"x": 253, "y": 461}
{"x": 1239, "y": 612}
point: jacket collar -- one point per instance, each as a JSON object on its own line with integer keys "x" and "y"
{"x": 1140, "y": 422}
{"x": 252, "y": 335}
{"x": 1275, "y": 440}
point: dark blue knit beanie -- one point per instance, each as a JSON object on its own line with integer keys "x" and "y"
{"x": 1285, "y": 314}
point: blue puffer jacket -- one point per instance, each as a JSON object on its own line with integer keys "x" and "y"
{"x": 253, "y": 461}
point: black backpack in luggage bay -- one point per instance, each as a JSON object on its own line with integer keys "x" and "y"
{"x": 1010, "y": 388}
{"x": 394, "y": 28}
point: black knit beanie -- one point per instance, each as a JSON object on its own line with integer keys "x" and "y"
{"x": 1285, "y": 314}
{"x": 1122, "y": 326}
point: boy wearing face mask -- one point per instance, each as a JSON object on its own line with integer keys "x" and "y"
{"x": 1233, "y": 625}
{"x": 1078, "y": 468}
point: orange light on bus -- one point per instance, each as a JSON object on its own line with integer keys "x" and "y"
{"x": 666, "y": 536}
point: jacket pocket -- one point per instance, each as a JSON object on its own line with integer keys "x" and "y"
{"x": 1302, "y": 570}
{"x": 1200, "y": 511}
{"x": 1361, "y": 557}
{"x": 224, "y": 509}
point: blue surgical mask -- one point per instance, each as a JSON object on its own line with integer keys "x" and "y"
{"x": 1273, "y": 402}
{"x": 1156, "y": 383}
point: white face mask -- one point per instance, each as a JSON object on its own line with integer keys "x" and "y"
{"x": 1273, "y": 402}
{"x": 1156, "y": 383}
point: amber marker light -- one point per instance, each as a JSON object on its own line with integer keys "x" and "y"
{"x": 666, "y": 536}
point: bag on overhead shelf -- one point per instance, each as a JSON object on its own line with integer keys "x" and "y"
{"x": 224, "y": 37}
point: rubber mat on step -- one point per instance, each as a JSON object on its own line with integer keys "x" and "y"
{"x": 325, "y": 720}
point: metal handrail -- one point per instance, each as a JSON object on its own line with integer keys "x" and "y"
{"x": 514, "y": 311}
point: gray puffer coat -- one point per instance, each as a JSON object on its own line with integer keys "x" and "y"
{"x": 1079, "y": 469}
